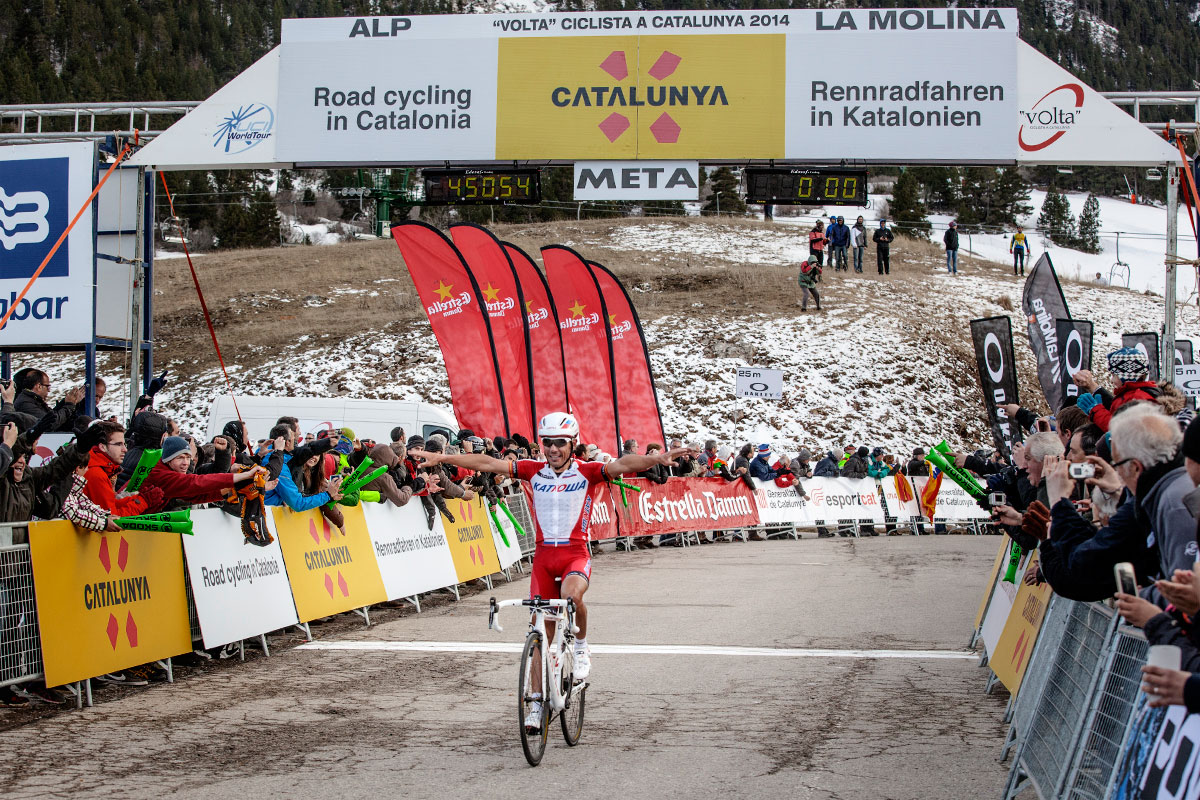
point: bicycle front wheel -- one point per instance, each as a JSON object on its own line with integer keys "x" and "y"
{"x": 533, "y": 740}
{"x": 572, "y": 715}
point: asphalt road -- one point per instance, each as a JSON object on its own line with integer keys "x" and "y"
{"x": 381, "y": 723}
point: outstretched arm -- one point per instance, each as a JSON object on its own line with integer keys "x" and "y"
{"x": 473, "y": 461}
{"x": 636, "y": 463}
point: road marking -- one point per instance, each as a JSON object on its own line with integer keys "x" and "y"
{"x": 642, "y": 649}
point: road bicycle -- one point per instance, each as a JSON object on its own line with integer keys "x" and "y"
{"x": 561, "y": 694}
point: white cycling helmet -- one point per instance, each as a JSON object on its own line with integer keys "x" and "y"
{"x": 557, "y": 425}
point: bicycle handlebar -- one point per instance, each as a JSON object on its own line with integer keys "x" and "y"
{"x": 537, "y": 602}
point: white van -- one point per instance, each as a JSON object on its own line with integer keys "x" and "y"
{"x": 369, "y": 419}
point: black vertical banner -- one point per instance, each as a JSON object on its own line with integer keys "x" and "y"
{"x": 1183, "y": 352}
{"x": 1042, "y": 302}
{"x": 1147, "y": 342}
{"x": 997, "y": 365}
{"x": 1075, "y": 347}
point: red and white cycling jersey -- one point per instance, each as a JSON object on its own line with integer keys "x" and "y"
{"x": 562, "y": 503}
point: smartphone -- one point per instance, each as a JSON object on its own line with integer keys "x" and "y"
{"x": 997, "y": 499}
{"x": 1126, "y": 583}
{"x": 1082, "y": 471}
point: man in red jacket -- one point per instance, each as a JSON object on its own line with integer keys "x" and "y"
{"x": 104, "y": 462}
{"x": 170, "y": 475}
{"x": 1130, "y": 367}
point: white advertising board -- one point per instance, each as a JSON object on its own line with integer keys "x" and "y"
{"x": 240, "y": 591}
{"x": 637, "y": 180}
{"x": 42, "y": 187}
{"x": 412, "y": 558}
{"x": 779, "y": 505}
{"x": 955, "y": 505}
{"x": 1187, "y": 379}
{"x": 755, "y": 382}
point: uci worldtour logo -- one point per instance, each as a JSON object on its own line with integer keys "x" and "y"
{"x": 449, "y": 303}
{"x": 1050, "y": 117}
{"x": 243, "y": 128}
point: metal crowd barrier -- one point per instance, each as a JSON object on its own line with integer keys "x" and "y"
{"x": 20, "y": 642}
{"x": 1072, "y": 716}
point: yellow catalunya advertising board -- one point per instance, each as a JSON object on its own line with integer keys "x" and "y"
{"x": 108, "y": 601}
{"x": 329, "y": 572}
{"x": 470, "y": 540}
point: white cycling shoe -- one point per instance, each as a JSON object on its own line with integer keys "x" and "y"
{"x": 583, "y": 663}
{"x": 533, "y": 719}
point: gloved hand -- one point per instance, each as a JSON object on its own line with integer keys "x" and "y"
{"x": 88, "y": 438}
{"x": 344, "y": 446}
{"x": 1036, "y": 521}
{"x": 152, "y": 495}
{"x": 157, "y": 384}
{"x": 1087, "y": 402}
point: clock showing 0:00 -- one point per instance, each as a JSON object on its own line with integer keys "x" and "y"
{"x": 470, "y": 187}
{"x": 833, "y": 186}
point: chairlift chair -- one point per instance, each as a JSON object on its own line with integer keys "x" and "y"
{"x": 1154, "y": 174}
{"x": 1119, "y": 271}
{"x": 1063, "y": 169}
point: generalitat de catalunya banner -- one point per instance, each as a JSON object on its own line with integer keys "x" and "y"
{"x": 330, "y": 572}
{"x": 106, "y": 601}
{"x": 1075, "y": 345}
{"x": 633, "y": 377}
{"x": 587, "y": 349}
{"x": 240, "y": 592}
{"x": 493, "y": 272}
{"x": 1042, "y": 303}
{"x": 548, "y": 376}
{"x": 453, "y": 304}
{"x": 649, "y": 85}
{"x": 996, "y": 363}
{"x": 42, "y": 186}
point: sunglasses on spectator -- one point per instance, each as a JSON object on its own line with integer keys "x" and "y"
{"x": 556, "y": 442}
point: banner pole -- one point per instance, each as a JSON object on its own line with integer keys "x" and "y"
{"x": 1168, "y": 349}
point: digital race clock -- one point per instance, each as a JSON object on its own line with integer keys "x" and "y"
{"x": 473, "y": 187}
{"x": 834, "y": 186}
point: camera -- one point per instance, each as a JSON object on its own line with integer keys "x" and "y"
{"x": 997, "y": 499}
{"x": 1082, "y": 471}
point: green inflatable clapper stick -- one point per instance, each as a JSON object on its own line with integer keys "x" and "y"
{"x": 496, "y": 522}
{"x": 359, "y": 470}
{"x": 966, "y": 476}
{"x": 135, "y": 524}
{"x": 1014, "y": 561}
{"x": 362, "y": 480}
{"x": 368, "y": 496}
{"x": 960, "y": 477}
{"x": 144, "y": 465}
{"x": 165, "y": 516}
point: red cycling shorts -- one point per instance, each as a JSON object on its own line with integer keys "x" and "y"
{"x": 550, "y": 563}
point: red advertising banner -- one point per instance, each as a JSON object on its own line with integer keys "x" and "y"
{"x": 548, "y": 377}
{"x": 688, "y": 504}
{"x": 497, "y": 280}
{"x": 587, "y": 352}
{"x": 636, "y": 397}
{"x": 452, "y": 302}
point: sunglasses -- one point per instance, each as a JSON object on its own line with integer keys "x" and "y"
{"x": 556, "y": 442}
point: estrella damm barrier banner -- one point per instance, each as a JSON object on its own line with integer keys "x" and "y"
{"x": 106, "y": 601}
{"x": 641, "y": 97}
{"x": 1011, "y": 656}
{"x": 778, "y": 84}
{"x": 1001, "y": 560}
{"x": 329, "y": 572}
{"x": 470, "y": 539}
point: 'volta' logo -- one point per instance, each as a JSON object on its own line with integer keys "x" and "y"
{"x": 1052, "y": 116}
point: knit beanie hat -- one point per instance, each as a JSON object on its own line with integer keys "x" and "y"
{"x": 416, "y": 441}
{"x": 1128, "y": 364}
{"x": 173, "y": 446}
{"x": 1191, "y": 440}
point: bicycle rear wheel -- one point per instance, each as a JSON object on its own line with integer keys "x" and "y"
{"x": 533, "y": 741}
{"x": 572, "y": 716}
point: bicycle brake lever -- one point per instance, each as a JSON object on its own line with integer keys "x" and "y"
{"x": 493, "y": 624}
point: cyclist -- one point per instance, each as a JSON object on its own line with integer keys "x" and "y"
{"x": 562, "y": 509}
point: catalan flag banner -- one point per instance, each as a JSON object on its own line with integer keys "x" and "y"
{"x": 929, "y": 494}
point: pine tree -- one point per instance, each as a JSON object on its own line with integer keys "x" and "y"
{"x": 1010, "y": 198}
{"x": 725, "y": 197}
{"x": 907, "y": 210}
{"x": 1055, "y": 222}
{"x": 1089, "y": 226}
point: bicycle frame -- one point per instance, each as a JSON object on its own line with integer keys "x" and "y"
{"x": 556, "y": 656}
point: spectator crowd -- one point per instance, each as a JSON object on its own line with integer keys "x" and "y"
{"x": 1110, "y": 478}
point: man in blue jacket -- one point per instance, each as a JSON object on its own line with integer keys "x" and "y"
{"x": 278, "y": 462}
{"x": 839, "y": 239}
{"x": 761, "y": 467}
